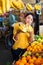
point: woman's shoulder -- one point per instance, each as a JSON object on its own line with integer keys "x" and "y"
{"x": 18, "y": 24}
{"x": 31, "y": 28}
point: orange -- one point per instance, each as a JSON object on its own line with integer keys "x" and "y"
{"x": 21, "y": 63}
{"x": 23, "y": 58}
{"x": 31, "y": 64}
{"x": 24, "y": 61}
{"x": 17, "y": 62}
{"x": 37, "y": 62}
{"x": 28, "y": 58}
{"x": 31, "y": 61}
{"x": 33, "y": 50}
{"x": 28, "y": 48}
{"x": 27, "y": 64}
{"x": 34, "y": 58}
{"x": 42, "y": 61}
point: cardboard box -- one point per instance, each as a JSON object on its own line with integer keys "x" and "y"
{"x": 29, "y": 1}
{"x": 41, "y": 29}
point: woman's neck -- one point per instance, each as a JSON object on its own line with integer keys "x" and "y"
{"x": 28, "y": 24}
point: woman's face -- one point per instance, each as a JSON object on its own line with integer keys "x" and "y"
{"x": 29, "y": 19}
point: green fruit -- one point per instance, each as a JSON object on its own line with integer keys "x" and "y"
{"x": 37, "y": 37}
{"x": 25, "y": 54}
{"x": 39, "y": 40}
{"x": 29, "y": 53}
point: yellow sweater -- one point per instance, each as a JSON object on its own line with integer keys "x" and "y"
{"x": 23, "y": 37}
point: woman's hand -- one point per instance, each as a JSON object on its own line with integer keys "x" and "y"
{"x": 15, "y": 38}
{"x": 31, "y": 38}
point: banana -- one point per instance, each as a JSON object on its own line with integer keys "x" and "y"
{"x": 7, "y": 5}
{"x": 37, "y": 7}
{"x": 12, "y": 5}
{"x": 1, "y": 11}
{"x": 3, "y": 6}
{"x": 0, "y": 8}
{"x": 18, "y": 4}
{"x": 21, "y": 4}
{"x": 29, "y": 7}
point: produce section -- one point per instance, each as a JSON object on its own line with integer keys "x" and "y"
{"x": 36, "y": 46}
{"x": 6, "y": 5}
{"x": 34, "y": 53}
{"x": 27, "y": 52}
{"x": 30, "y": 60}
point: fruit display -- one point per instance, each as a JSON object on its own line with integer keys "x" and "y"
{"x": 1, "y": 11}
{"x": 36, "y": 54}
{"x": 12, "y": 5}
{"x": 17, "y": 6}
{"x": 29, "y": 7}
{"x": 30, "y": 60}
{"x": 37, "y": 37}
{"x": 7, "y": 4}
{"x": 21, "y": 5}
{"x": 4, "y": 6}
{"x": 37, "y": 7}
{"x": 36, "y": 46}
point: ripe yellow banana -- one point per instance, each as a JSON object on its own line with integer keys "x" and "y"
{"x": 7, "y": 5}
{"x": 3, "y": 6}
{"x": 21, "y": 4}
{"x": 1, "y": 11}
{"x": 0, "y": 3}
{"x": 15, "y": 3}
{"x": 18, "y": 4}
{"x": 12, "y": 5}
{"x": 37, "y": 7}
{"x": 0, "y": 7}
{"x": 29, "y": 7}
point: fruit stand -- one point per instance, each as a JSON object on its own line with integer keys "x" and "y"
{"x": 9, "y": 5}
{"x": 34, "y": 53}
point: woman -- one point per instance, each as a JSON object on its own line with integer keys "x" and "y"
{"x": 22, "y": 35}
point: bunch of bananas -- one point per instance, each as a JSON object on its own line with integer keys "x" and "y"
{"x": 18, "y": 5}
{"x": 1, "y": 11}
{"x": 4, "y": 6}
{"x": 37, "y": 7}
{"x": 29, "y": 7}
{"x": 12, "y": 5}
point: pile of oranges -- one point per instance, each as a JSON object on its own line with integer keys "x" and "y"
{"x": 30, "y": 60}
{"x": 35, "y": 47}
